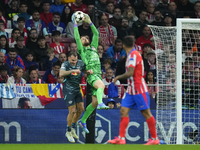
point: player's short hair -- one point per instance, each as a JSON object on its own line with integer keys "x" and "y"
{"x": 107, "y": 61}
{"x": 146, "y": 45}
{"x": 128, "y": 41}
{"x": 21, "y": 19}
{"x": 118, "y": 41}
{"x": 56, "y": 33}
{"x": 72, "y": 54}
{"x": 50, "y": 50}
{"x": 56, "y": 13}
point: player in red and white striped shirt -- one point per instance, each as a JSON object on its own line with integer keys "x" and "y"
{"x": 136, "y": 96}
{"x": 56, "y": 45}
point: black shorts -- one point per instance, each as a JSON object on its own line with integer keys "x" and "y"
{"x": 72, "y": 98}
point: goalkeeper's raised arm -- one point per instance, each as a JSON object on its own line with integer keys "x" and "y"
{"x": 95, "y": 32}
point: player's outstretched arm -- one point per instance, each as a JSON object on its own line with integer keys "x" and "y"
{"x": 78, "y": 41}
{"x": 95, "y": 32}
{"x": 126, "y": 75}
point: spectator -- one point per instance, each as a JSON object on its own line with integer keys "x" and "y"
{"x": 145, "y": 38}
{"x": 29, "y": 61}
{"x": 57, "y": 6}
{"x": 145, "y": 49}
{"x": 129, "y": 13}
{"x": 2, "y": 17}
{"x": 116, "y": 51}
{"x": 111, "y": 103}
{"x": 143, "y": 5}
{"x": 66, "y": 15}
{"x": 116, "y": 19}
{"x": 26, "y": 75}
{"x": 106, "y": 64}
{"x": 31, "y": 43}
{"x": 196, "y": 59}
{"x": 41, "y": 51}
{"x": 56, "y": 45}
{"x": 4, "y": 47}
{"x": 196, "y": 75}
{"x": 62, "y": 57}
{"x": 110, "y": 8}
{"x": 120, "y": 69}
{"x": 46, "y": 15}
{"x": 188, "y": 67}
{"x": 150, "y": 11}
{"x": 196, "y": 12}
{"x": 60, "y": 80}
{"x": 168, "y": 20}
{"x": 2, "y": 60}
{"x": 173, "y": 10}
{"x": 3, "y": 74}
{"x": 152, "y": 61}
{"x": 36, "y": 23}
{"x": 163, "y": 6}
{"x": 158, "y": 20}
{"x": 78, "y": 6}
{"x": 33, "y": 75}
{"x": 14, "y": 60}
{"x": 17, "y": 77}
{"x": 73, "y": 48}
{"x": 109, "y": 79}
{"x": 13, "y": 39}
{"x": 23, "y": 13}
{"x": 125, "y": 29}
{"x": 12, "y": 8}
{"x": 106, "y": 39}
{"x": 50, "y": 60}
{"x": 102, "y": 55}
{"x": 21, "y": 49}
{"x": 171, "y": 62}
{"x": 2, "y": 29}
{"x": 21, "y": 26}
{"x": 140, "y": 23}
{"x": 85, "y": 29}
{"x": 34, "y": 5}
{"x": 185, "y": 6}
{"x": 56, "y": 24}
{"x": 101, "y": 5}
{"x": 70, "y": 30}
{"x": 123, "y": 5}
{"x": 137, "y": 47}
{"x": 52, "y": 77}
{"x": 150, "y": 79}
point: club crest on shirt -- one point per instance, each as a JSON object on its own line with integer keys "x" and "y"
{"x": 74, "y": 74}
{"x": 93, "y": 48}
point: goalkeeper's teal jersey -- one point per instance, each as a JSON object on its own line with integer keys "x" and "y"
{"x": 89, "y": 55}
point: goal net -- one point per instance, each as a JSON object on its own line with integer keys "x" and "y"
{"x": 178, "y": 81}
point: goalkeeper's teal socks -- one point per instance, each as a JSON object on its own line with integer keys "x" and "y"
{"x": 87, "y": 113}
{"x": 100, "y": 95}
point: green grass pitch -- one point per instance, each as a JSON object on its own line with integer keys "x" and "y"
{"x": 95, "y": 147}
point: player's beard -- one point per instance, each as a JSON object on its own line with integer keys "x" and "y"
{"x": 86, "y": 44}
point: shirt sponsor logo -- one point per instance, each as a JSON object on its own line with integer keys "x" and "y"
{"x": 93, "y": 48}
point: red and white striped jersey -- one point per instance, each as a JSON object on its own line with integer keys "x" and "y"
{"x": 136, "y": 83}
{"x": 56, "y": 90}
{"x": 138, "y": 48}
{"x": 58, "y": 48}
{"x": 11, "y": 42}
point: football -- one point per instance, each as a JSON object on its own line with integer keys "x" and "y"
{"x": 79, "y": 16}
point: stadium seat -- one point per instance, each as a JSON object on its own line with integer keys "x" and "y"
{"x": 66, "y": 42}
{"x": 48, "y": 41}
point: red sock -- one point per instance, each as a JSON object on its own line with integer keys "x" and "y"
{"x": 152, "y": 127}
{"x": 123, "y": 125}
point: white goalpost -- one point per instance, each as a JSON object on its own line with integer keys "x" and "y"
{"x": 178, "y": 81}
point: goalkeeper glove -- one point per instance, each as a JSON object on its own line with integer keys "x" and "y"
{"x": 87, "y": 19}
{"x": 73, "y": 19}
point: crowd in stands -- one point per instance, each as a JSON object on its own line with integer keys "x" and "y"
{"x": 43, "y": 34}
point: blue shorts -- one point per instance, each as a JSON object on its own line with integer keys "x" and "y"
{"x": 139, "y": 101}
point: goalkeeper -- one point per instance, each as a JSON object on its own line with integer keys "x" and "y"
{"x": 90, "y": 57}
